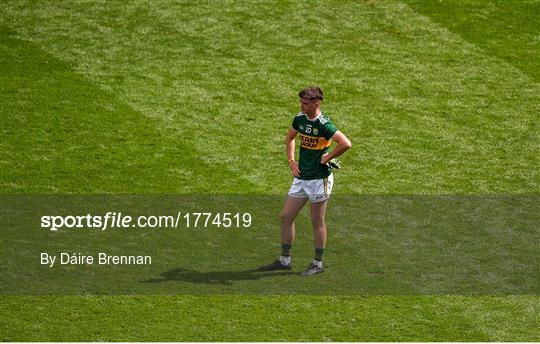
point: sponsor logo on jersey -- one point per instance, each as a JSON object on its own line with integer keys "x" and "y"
{"x": 315, "y": 131}
{"x": 312, "y": 142}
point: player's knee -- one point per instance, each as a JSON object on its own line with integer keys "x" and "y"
{"x": 317, "y": 222}
{"x": 319, "y": 228}
{"x": 284, "y": 217}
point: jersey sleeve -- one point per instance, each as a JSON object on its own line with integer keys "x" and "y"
{"x": 329, "y": 130}
{"x": 295, "y": 123}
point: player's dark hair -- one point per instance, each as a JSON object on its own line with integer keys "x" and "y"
{"x": 311, "y": 93}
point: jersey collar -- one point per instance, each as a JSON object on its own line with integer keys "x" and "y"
{"x": 313, "y": 120}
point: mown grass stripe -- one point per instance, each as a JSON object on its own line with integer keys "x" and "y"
{"x": 62, "y": 134}
{"x": 279, "y": 318}
{"x": 501, "y": 28}
{"x": 428, "y": 112}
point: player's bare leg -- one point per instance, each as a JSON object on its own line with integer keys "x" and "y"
{"x": 290, "y": 210}
{"x": 317, "y": 214}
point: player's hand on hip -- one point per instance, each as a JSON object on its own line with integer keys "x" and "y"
{"x": 295, "y": 170}
{"x": 324, "y": 159}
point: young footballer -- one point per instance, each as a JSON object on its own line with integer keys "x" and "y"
{"x": 313, "y": 178}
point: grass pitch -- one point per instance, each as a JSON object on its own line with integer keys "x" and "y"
{"x": 274, "y": 318}
{"x": 162, "y": 97}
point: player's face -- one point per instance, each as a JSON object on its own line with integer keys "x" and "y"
{"x": 309, "y": 106}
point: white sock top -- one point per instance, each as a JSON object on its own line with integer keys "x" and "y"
{"x": 285, "y": 260}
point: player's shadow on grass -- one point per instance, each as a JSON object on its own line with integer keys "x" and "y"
{"x": 214, "y": 277}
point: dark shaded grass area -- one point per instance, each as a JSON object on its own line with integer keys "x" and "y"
{"x": 507, "y": 29}
{"x": 413, "y": 245}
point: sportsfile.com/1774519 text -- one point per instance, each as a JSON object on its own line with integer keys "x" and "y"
{"x": 114, "y": 220}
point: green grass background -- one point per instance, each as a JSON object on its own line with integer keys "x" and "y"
{"x": 161, "y": 97}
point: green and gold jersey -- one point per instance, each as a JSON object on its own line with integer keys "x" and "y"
{"x": 315, "y": 138}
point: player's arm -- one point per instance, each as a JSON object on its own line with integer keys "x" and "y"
{"x": 289, "y": 149}
{"x": 343, "y": 144}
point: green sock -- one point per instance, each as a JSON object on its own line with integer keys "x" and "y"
{"x": 286, "y": 250}
{"x": 318, "y": 254}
